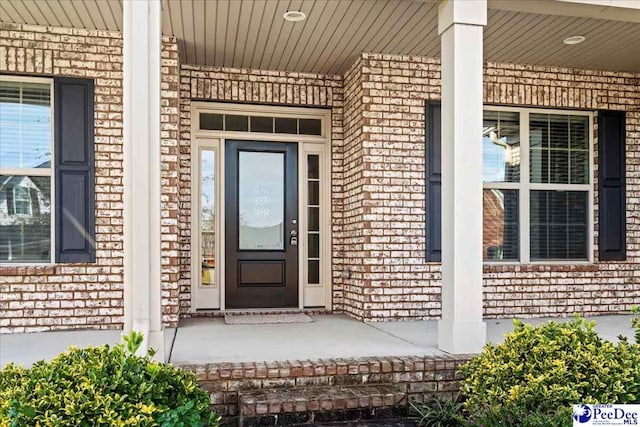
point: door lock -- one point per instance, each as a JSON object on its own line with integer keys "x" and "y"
{"x": 293, "y": 241}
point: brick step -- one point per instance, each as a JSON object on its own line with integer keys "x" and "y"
{"x": 321, "y": 404}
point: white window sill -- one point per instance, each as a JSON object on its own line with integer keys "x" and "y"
{"x": 538, "y": 263}
{"x": 27, "y": 264}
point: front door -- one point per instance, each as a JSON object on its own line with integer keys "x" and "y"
{"x": 261, "y": 220}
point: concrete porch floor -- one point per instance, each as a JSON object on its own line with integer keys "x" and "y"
{"x": 210, "y": 340}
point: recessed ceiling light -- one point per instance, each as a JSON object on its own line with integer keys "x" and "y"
{"x": 574, "y": 40}
{"x": 294, "y": 16}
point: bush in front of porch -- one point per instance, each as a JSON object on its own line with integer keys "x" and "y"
{"x": 103, "y": 386}
{"x": 538, "y": 373}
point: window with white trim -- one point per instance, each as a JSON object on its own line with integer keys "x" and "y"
{"x": 537, "y": 198}
{"x": 26, "y": 149}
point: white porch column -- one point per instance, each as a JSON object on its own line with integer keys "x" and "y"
{"x": 142, "y": 262}
{"x": 460, "y": 25}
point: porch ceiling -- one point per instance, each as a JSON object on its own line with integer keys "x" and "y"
{"x": 253, "y": 34}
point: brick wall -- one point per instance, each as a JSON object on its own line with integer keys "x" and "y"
{"x": 378, "y": 205}
{"x": 170, "y": 178}
{"x": 64, "y": 296}
{"x": 398, "y": 283}
{"x": 353, "y": 196}
{"x": 256, "y": 86}
{"x": 421, "y": 378}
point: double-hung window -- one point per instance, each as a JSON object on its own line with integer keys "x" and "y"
{"x": 537, "y": 198}
{"x": 47, "y": 172}
{"x": 26, "y": 178}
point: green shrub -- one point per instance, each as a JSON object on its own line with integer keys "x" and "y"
{"x": 102, "y": 386}
{"x": 438, "y": 413}
{"x": 535, "y": 376}
{"x": 635, "y": 323}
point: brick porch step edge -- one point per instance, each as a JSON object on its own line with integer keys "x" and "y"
{"x": 335, "y": 403}
{"x": 424, "y": 376}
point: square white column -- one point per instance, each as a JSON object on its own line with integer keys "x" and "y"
{"x": 460, "y": 24}
{"x": 142, "y": 39}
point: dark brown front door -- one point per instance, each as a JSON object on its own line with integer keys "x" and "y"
{"x": 261, "y": 220}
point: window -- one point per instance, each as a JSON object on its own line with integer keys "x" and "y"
{"x": 25, "y": 170}
{"x": 313, "y": 219}
{"x": 260, "y": 124}
{"x": 208, "y": 224}
{"x": 21, "y": 201}
{"x": 537, "y": 202}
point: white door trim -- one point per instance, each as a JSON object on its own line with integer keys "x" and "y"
{"x": 309, "y": 295}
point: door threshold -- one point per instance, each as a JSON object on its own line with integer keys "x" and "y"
{"x": 222, "y": 313}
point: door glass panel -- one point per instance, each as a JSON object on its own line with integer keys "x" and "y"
{"x": 261, "y": 200}
{"x": 208, "y": 216}
{"x": 313, "y": 220}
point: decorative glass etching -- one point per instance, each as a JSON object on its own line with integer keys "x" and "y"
{"x": 261, "y": 200}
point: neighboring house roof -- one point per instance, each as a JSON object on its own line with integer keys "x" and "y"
{"x": 14, "y": 180}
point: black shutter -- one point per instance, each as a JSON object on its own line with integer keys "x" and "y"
{"x": 74, "y": 171}
{"x": 611, "y": 186}
{"x": 433, "y": 202}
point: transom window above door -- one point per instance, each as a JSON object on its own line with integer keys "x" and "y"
{"x": 261, "y": 124}
{"x": 537, "y": 199}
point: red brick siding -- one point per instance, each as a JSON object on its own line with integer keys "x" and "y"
{"x": 353, "y": 196}
{"x": 401, "y": 284}
{"x": 66, "y": 296}
{"x": 378, "y": 205}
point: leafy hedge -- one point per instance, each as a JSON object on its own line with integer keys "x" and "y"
{"x": 535, "y": 376}
{"x": 102, "y": 386}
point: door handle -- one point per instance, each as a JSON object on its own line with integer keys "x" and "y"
{"x": 293, "y": 241}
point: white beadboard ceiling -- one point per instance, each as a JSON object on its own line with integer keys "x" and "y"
{"x": 253, "y": 34}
